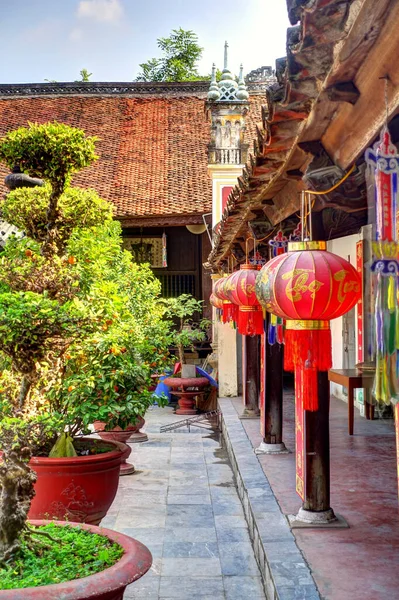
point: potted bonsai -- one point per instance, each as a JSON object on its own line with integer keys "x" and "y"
{"x": 187, "y": 386}
{"x": 59, "y": 287}
{"x": 46, "y": 560}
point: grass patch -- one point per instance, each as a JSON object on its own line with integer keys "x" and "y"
{"x": 78, "y": 553}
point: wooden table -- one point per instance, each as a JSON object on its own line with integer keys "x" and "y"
{"x": 353, "y": 379}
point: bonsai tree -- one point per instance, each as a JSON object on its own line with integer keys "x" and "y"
{"x": 69, "y": 291}
{"x": 62, "y": 285}
{"x": 188, "y": 331}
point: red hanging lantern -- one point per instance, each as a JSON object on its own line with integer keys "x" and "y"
{"x": 308, "y": 286}
{"x": 218, "y": 304}
{"x": 240, "y": 290}
{"x": 230, "y": 310}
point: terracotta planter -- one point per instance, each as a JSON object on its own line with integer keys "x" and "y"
{"x": 126, "y": 468}
{"x": 109, "y": 584}
{"x": 79, "y": 489}
{"x": 136, "y": 434}
{"x": 131, "y": 433}
{"x": 181, "y": 387}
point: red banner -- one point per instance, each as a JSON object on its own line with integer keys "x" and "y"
{"x": 397, "y": 437}
{"x": 262, "y": 384}
{"x": 360, "y": 311}
{"x": 299, "y": 435}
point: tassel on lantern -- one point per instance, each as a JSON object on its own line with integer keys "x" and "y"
{"x": 250, "y": 320}
{"x": 230, "y": 312}
{"x": 308, "y": 349}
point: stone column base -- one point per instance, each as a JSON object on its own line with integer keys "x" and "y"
{"x": 250, "y": 413}
{"x": 316, "y": 518}
{"x": 271, "y": 448}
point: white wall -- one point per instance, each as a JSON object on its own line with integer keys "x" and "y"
{"x": 343, "y": 247}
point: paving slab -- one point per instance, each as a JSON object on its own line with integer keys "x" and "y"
{"x": 183, "y": 504}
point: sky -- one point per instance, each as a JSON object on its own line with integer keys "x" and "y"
{"x": 55, "y": 39}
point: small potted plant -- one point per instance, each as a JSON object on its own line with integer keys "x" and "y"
{"x": 187, "y": 331}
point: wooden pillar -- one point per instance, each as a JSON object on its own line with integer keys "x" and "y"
{"x": 316, "y": 456}
{"x": 271, "y": 401}
{"x": 250, "y": 375}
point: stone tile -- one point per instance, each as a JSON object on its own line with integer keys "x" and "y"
{"x": 190, "y": 549}
{"x": 224, "y": 521}
{"x": 306, "y": 592}
{"x": 228, "y": 535}
{"x": 141, "y": 518}
{"x": 190, "y": 534}
{"x": 184, "y": 588}
{"x": 145, "y": 588}
{"x": 289, "y": 572}
{"x": 241, "y": 587}
{"x": 203, "y": 498}
{"x": 149, "y": 536}
{"x": 227, "y": 506}
{"x": 189, "y": 516}
{"x": 191, "y": 567}
{"x": 236, "y": 558}
{"x": 109, "y": 521}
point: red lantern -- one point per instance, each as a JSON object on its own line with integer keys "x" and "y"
{"x": 218, "y": 304}
{"x": 240, "y": 289}
{"x": 230, "y": 310}
{"x": 308, "y": 286}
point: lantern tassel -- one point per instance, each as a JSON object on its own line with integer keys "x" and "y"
{"x": 250, "y": 320}
{"x": 308, "y": 350}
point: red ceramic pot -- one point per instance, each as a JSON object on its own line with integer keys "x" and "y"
{"x": 109, "y": 584}
{"x": 80, "y": 488}
{"x": 115, "y": 435}
{"x": 135, "y": 434}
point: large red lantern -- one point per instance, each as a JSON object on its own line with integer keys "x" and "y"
{"x": 240, "y": 290}
{"x": 230, "y": 310}
{"x": 308, "y": 286}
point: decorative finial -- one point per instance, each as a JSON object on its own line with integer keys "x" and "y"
{"x": 213, "y": 93}
{"x": 242, "y": 93}
{"x": 226, "y": 46}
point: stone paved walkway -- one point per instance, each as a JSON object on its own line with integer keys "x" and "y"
{"x": 183, "y": 505}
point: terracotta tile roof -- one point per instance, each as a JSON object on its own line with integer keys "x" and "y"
{"x": 153, "y": 150}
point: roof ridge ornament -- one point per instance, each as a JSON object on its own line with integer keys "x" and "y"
{"x": 227, "y": 88}
{"x": 214, "y": 93}
{"x": 242, "y": 92}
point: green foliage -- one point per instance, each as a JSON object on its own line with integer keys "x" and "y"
{"x": 32, "y": 325}
{"x": 26, "y": 208}
{"x": 73, "y": 553}
{"x": 52, "y": 151}
{"x": 184, "y": 308}
{"x": 181, "y": 54}
{"x": 84, "y": 75}
{"x": 37, "y": 432}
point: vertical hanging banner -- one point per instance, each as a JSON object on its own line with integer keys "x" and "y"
{"x": 383, "y": 167}
{"x": 262, "y": 383}
{"x": 359, "y": 267}
{"x": 299, "y": 437}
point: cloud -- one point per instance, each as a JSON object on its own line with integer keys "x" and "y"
{"x": 76, "y": 34}
{"x": 100, "y": 10}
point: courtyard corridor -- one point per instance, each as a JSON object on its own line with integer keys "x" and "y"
{"x": 182, "y": 503}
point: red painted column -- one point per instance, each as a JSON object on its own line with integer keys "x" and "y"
{"x": 271, "y": 401}
{"x": 250, "y": 375}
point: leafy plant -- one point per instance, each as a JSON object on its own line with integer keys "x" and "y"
{"x": 183, "y": 309}
{"x": 179, "y": 63}
{"x": 71, "y": 300}
{"x": 69, "y": 552}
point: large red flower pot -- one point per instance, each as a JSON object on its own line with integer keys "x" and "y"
{"x": 80, "y": 488}
{"x": 109, "y": 584}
